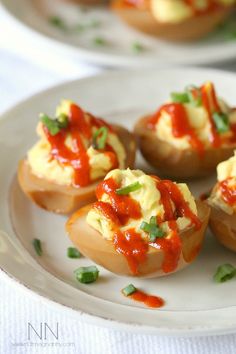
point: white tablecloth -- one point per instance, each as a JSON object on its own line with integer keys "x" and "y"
{"x": 19, "y": 78}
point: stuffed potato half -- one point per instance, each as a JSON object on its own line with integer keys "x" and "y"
{"x": 189, "y": 135}
{"x": 62, "y": 170}
{"x": 173, "y": 20}
{"x": 223, "y": 204}
{"x": 156, "y": 236}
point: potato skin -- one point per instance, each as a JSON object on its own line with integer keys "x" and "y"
{"x": 223, "y": 227}
{"x": 185, "y": 31}
{"x": 65, "y": 199}
{"x": 176, "y": 163}
{"x": 91, "y": 243}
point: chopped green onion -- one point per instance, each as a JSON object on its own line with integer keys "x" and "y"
{"x": 86, "y": 274}
{"x": 221, "y": 121}
{"x": 179, "y": 97}
{"x": 37, "y": 246}
{"x": 137, "y": 47}
{"x": 57, "y": 22}
{"x": 128, "y": 189}
{"x": 129, "y": 289}
{"x": 99, "y": 41}
{"x": 224, "y": 272}
{"x": 72, "y": 252}
{"x": 152, "y": 229}
{"x": 99, "y": 142}
{"x": 54, "y": 126}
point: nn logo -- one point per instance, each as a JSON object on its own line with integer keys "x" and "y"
{"x": 43, "y": 331}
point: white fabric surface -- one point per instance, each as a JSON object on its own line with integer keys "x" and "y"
{"x": 19, "y": 78}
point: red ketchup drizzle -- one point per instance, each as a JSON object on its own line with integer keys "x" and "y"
{"x": 123, "y": 205}
{"x": 180, "y": 124}
{"x": 148, "y": 300}
{"x": 211, "y": 105}
{"x": 120, "y": 210}
{"x": 172, "y": 246}
{"x": 78, "y": 158}
{"x": 132, "y": 246}
{"x": 228, "y": 192}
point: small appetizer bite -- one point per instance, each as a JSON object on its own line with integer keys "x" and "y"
{"x": 223, "y": 204}
{"x": 75, "y": 150}
{"x": 188, "y": 136}
{"x": 175, "y": 20}
{"x": 140, "y": 225}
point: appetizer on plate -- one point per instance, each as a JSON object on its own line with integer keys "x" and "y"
{"x": 140, "y": 225}
{"x": 75, "y": 150}
{"x": 223, "y": 204}
{"x": 175, "y": 20}
{"x": 189, "y": 135}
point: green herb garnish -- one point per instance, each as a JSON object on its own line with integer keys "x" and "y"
{"x": 37, "y": 246}
{"x": 87, "y": 274}
{"x": 100, "y": 138}
{"x": 99, "y": 41}
{"x": 221, "y": 121}
{"x": 58, "y": 22}
{"x": 224, "y": 273}
{"x": 129, "y": 289}
{"x": 152, "y": 229}
{"x": 188, "y": 96}
{"x": 72, "y": 252}
{"x": 54, "y": 126}
{"x": 128, "y": 189}
{"x": 137, "y": 47}
{"x": 179, "y": 97}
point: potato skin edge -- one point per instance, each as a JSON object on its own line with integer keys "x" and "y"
{"x": 101, "y": 251}
{"x": 185, "y": 31}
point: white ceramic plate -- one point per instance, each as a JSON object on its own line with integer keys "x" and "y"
{"x": 31, "y": 16}
{"x": 194, "y": 303}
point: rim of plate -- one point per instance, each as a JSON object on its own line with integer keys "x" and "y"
{"x": 111, "y": 60}
{"x": 188, "y": 331}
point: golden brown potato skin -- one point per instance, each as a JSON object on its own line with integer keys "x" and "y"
{"x": 185, "y": 31}
{"x": 176, "y": 163}
{"x": 65, "y": 199}
{"x": 223, "y": 227}
{"x": 91, "y": 243}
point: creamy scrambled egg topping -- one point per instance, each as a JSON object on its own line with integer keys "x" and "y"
{"x": 175, "y": 11}
{"x": 147, "y": 196}
{"x": 198, "y": 120}
{"x": 226, "y": 169}
{"x": 44, "y": 166}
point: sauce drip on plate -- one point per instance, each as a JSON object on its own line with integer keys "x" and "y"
{"x": 79, "y": 127}
{"x": 149, "y": 300}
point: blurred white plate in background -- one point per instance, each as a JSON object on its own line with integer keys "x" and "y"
{"x": 79, "y": 43}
